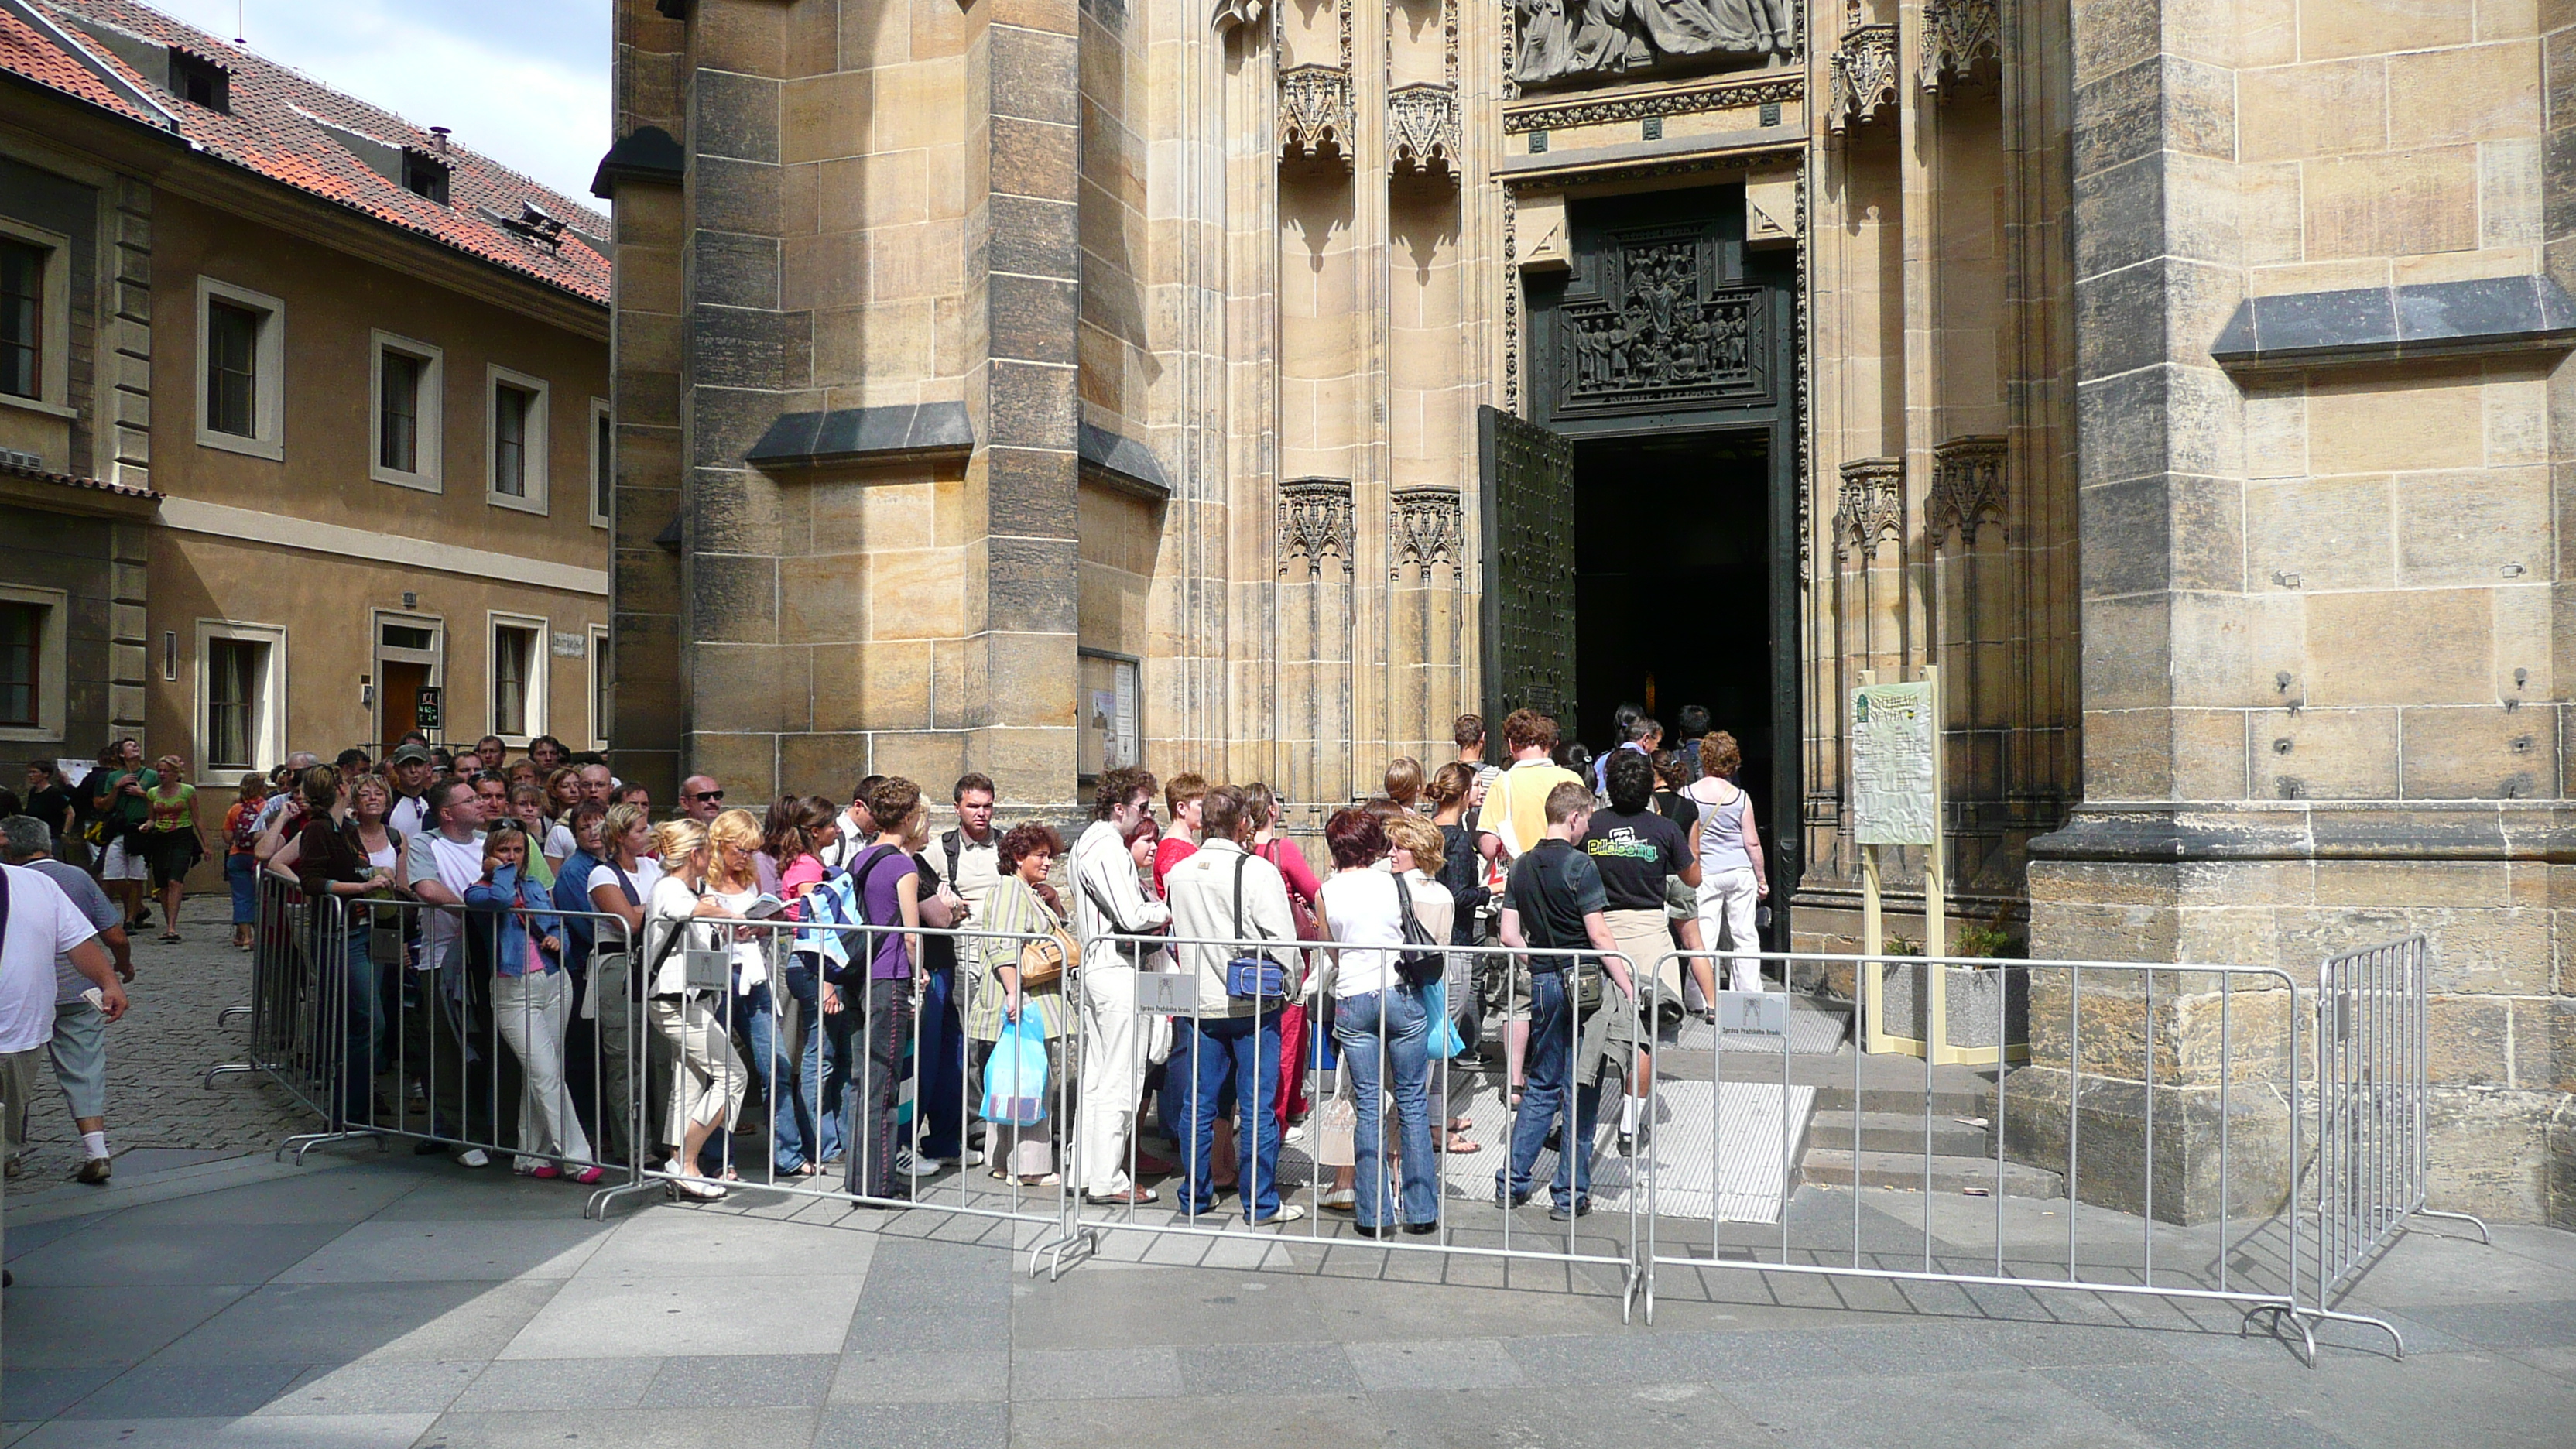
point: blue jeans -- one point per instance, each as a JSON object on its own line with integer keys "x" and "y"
{"x": 1548, "y": 1065}
{"x": 939, "y": 1086}
{"x": 365, "y": 1016}
{"x": 241, "y": 872}
{"x": 1373, "y": 1049}
{"x": 1210, "y": 1055}
{"x": 822, "y": 1074}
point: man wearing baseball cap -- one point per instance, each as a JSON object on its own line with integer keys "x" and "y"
{"x": 411, "y": 769}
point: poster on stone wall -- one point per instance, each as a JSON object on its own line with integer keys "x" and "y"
{"x": 1893, "y": 761}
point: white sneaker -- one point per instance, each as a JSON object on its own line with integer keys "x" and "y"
{"x": 474, "y": 1157}
{"x": 905, "y": 1166}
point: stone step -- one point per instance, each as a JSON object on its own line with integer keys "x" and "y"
{"x": 1832, "y": 1167}
{"x": 1943, "y": 1102}
{"x": 1899, "y": 1132}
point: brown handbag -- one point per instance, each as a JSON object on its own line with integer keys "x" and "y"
{"x": 1043, "y": 961}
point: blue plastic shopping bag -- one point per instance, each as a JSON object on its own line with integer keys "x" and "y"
{"x": 1445, "y": 1041}
{"x": 1015, "y": 1079}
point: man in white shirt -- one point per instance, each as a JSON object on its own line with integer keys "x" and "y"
{"x": 1221, "y": 886}
{"x": 39, "y": 925}
{"x": 79, "y": 1046}
{"x": 858, "y": 828}
{"x": 455, "y": 1058}
{"x": 1107, "y": 901}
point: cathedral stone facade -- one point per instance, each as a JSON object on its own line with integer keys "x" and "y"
{"x": 1249, "y": 388}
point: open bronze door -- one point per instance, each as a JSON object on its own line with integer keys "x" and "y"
{"x": 1528, "y": 620}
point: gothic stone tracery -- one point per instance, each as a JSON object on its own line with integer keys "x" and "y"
{"x": 1424, "y": 528}
{"x": 1872, "y": 509}
{"x": 1967, "y": 487}
{"x": 1864, "y": 76}
{"x": 1315, "y": 524}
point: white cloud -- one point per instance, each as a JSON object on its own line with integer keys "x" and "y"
{"x": 523, "y": 81}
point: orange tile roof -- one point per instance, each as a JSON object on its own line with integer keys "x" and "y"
{"x": 276, "y": 128}
{"x": 14, "y": 469}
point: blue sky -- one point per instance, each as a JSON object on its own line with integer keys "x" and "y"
{"x": 523, "y": 81}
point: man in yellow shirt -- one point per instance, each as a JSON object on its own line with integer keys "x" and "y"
{"x": 1514, "y": 816}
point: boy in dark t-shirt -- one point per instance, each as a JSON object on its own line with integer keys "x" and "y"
{"x": 1557, "y": 900}
{"x": 1637, "y": 852}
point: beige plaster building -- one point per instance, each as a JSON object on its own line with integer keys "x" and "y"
{"x": 1249, "y": 388}
{"x": 304, "y": 411}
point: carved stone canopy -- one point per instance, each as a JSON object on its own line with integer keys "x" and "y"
{"x": 1864, "y": 76}
{"x": 1422, "y": 130}
{"x": 1234, "y": 14}
{"x": 1315, "y": 524}
{"x": 1423, "y": 529}
{"x": 1967, "y": 488}
{"x": 1872, "y": 508}
{"x": 1956, "y": 35}
{"x": 1315, "y": 114}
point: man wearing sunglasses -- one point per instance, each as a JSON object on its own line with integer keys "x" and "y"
{"x": 701, "y": 799}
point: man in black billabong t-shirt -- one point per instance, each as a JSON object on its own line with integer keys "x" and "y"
{"x": 1637, "y": 850}
{"x": 1557, "y": 901}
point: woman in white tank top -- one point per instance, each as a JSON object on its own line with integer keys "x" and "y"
{"x": 1731, "y": 878}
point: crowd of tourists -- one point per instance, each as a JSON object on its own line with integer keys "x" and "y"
{"x": 523, "y": 958}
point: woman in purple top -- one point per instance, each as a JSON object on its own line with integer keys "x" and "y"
{"x": 887, "y": 888}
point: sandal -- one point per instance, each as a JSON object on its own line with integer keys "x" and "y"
{"x": 1460, "y": 1143}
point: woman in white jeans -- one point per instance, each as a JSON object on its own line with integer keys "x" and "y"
{"x": 1731, "y": 875}
{"x": 531, "y": 1001}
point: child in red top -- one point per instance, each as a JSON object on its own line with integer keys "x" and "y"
{"x": 241, "y": 867}
{"x": 1184, "y": 795}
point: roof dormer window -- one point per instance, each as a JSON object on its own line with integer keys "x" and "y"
{"x": 200, "y": 81}
{"x": 425, "y": 175}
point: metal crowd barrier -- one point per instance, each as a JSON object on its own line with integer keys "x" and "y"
{"x": 379, "y": 1016}
{"x": 1160, "y": 989}
{"x": 2369, "y": 1165}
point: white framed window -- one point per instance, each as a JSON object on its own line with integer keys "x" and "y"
{"x": 514, "y": 440}
{"x": 34, "y": 629}
{"x": 516, "y": 678}
{"x": 603, "y": 462}
{"x": 599, "y": 679}
{"x": 241, "y": 370}
{"x": 35, "y": 319}
{"x": 241, "y": 697}
{"x": 408, "y": 383}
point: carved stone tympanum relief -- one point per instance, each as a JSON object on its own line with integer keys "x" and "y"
{"x": 1650, "y": 328}
{"x": 1562, "y": 40}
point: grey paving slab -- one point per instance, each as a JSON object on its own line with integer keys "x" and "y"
{"x": 449, "y": 1193}
{"x": 512, "y": 1385}
{"x": 1374, "y": 1310}
{"x": 154, "y": 1390}
{"x": 97, "y": 1327}
{"x": 624, "y": 1428}
{"x": 432, "y": 1252}
{"x": 926, "y": 1296}
{"x": 318, "y": 1323}
{"x": 916, "y": 1426}
{"x": 2559, "y": 1359}
{"x": 1238, "y": 1369}
{"x": 631, "y": 1316}
{"x": 2052, "y": 1345}
{"x": 1630, "y": 1416}
{"x": 27, "y": 1395}
{"x": 1972, "y": 1411}
{"x": 675, "y": 1243}
{"x": 337, "y": 1431}
{"x": 1169, "y": 1306}
{"x": 920, "y": 1378}
{"x": 1435, "y": 1363}
{"x": 376, "y": 1388}
{"x": 2185, "y": 1407}
{"x": 2439, "y": 1267}
{"x": 1196, "y": 1423}
{"x": 175, "y": 1254}
{"x": 742, "y": 1381}
{"x": 1048, "y": 1375}
{"x": 2503, "y": 1325}
{"x": 341, "y": 1195}
{"x": 2426, "y": 1398}
{"x": 25, "y": 1238}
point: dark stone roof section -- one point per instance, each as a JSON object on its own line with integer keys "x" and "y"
{"x": 1124, "y": 464}
{"x": 899, "y": 434}
{"x": 646, "y": 153}
{"x": 2389, "y": 324}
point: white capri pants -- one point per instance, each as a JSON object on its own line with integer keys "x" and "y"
{"x": 1726, "y": 898}
{"x": 707, "y": 1075}
{"x": 531, "y": 1011}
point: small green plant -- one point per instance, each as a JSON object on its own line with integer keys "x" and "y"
{"x": 1982, "y": 938}
{"x": 1902, "y": 946}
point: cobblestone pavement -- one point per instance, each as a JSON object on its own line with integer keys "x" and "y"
{"x": 158, "y": 1102}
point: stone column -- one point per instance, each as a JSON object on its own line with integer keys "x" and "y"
{"x": 1023, "y": 274}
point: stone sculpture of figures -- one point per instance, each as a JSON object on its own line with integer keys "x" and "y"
{"x": 1607, "y": 37}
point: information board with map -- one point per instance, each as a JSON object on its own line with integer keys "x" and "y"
{"x": 1894, "y": 757}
